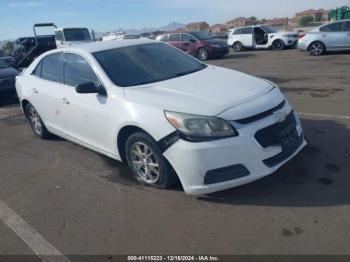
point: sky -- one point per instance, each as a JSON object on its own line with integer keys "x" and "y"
{"x": 18, "y": 16}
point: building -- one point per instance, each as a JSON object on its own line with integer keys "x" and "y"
{"x": 277, "y": 21}
{"x": 218, "y": 28}
{"x": 319, "y": 16}
{"x": 239, "y": 22}
{"x": 198, "y": 26}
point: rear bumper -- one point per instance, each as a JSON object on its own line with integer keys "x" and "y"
{"x": 302, "y": 45}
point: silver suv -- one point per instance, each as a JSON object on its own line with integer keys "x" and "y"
{"x": 331, "y": 37}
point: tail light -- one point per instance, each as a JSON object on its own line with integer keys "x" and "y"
{"x": 301, "y": 35}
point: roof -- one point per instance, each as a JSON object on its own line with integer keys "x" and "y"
{"x": 92, "y": 47}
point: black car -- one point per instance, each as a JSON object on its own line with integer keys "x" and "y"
{"x": 7, "y": 78}
{"x": 7, "y": 58}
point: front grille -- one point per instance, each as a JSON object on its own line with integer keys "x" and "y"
{"x": 259, "y": 116}
{"x": 268, "y": 136}
{"x": 279, "y": 158}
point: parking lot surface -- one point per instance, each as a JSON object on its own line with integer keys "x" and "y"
{"x": 79, "y": 202}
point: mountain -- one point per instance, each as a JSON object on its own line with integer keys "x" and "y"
{"x": 170, "y": 27}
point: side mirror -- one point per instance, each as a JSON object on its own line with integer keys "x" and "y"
{"x": 90, "y": 88}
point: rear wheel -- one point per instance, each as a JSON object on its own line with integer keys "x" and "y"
{"x": 278, "y": 45}
{"x": 202, "y": 54}
{"x": 317, "y": 48}
{"x": 237, "y": 46}
{"x": 36, "y": 123}
{"x": 147, "y": 162}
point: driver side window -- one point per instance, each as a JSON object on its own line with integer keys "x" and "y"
{"x": 78, "y": 71}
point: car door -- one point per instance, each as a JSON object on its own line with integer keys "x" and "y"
{"x": 188, "y": 43}
{"x": 48, "y": 89}
{"x": 247, "y": 36}
{"x": 175, "y": 40}
{"x": 86, "y": 115}
{"x": 346, "y": 29}
{"x": 333, "y": 36}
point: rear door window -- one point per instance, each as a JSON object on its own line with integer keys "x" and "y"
{"x": 237, "y": 31}
{"x": 346, "y": 27}
{"x": 247, "y": 31}
{"x": 52, "y": 68}
{"x": 336, "y": 27}
{"x": 175, "y": 37}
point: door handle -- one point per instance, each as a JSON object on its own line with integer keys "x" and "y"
{"x": 35, "y": 91}
{"x": 65, "y": 101}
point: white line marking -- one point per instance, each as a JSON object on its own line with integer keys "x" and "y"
{"x": 43, "y": 249}
{"x": 324, "y": 115}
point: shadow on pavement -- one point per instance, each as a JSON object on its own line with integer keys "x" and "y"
{"x": 8, "y": 99}
{"x": 318, "y": 176}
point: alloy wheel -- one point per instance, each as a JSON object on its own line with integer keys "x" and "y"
{"x": 202, "y": 54}
{"x": 35, "y": 121}
{"x": 145, "y": 163}
{"x": 316, "y": 49}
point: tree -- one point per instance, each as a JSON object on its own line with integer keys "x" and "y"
{"x": 306, "y": 20}
{"x": 253, "y": 19}
{"x": 8, "y": 47}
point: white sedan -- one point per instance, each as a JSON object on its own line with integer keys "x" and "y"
{"x": 164, "y": 113}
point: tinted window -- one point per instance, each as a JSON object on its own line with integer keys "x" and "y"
{"x": 202, "y": 35}
{"x": 336, "y": 27}
{"x": 37, "y": 70}
{"x": 247, "y": 31}
{"x": 187, "y": 37}
{"x": 347, "y": 26}
{"x": 175, "y": 37}
{"x": 78, "y": 34}
{"x": 237, "y": 32}
{"x": 78, "y": 71}
{"x": 59, "y": 36}
{"x": 164, "y": 38}
{"x": 52, "y": 68}
{"x": 142, "y": 64}
{"x": 2, "y": 53}
{"x": 269, "y": 29}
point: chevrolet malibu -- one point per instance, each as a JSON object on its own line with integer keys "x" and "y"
{"x": 161, "y": 111}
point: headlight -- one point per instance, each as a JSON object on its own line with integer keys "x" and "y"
{"x": 200, "y": 128}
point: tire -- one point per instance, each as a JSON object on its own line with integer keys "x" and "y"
{"x": 147, "y": 162}
{"x": 278, "y": 45}
{"x": 237, "y": 46}
{"x": 317, "y": 48}
{"x": 36, "y": 123}
{"x": 202, "y": 54}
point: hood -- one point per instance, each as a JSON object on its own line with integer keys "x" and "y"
{"x": 206, "y": 92}
{"x": 8, "y": 72}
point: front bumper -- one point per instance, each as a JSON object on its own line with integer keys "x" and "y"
{"x": 193, "y": 161}
{"x": 215, "y": 52}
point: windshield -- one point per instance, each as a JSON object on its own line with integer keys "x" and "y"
{"x": 77, "y": 34}
{"x": 269, "y": 29}
{"x": 147, "y": 63}
{"x": 3, "y": 64}
{"x": 201, "y": 35}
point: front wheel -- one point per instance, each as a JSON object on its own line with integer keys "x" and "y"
{"x": 278, "y": 45}
{"x": 317, "y": 49}
{"x": 202, "y": 54}
{"x": 147, "y": 162}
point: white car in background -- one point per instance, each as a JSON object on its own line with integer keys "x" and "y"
{"x": 260, "y": 37}
{"x": 331, "y": 37}
{"x": 163, "y": 112}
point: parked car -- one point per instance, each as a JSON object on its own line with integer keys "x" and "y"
{"x": 199, "y": 44}
{"x": 163, "y": 112}
{"x": 7, "y": 78}
{"x": 330, "y": 37}
{"x": 260, "y": 37}
{"x": 7, "y": 58}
